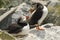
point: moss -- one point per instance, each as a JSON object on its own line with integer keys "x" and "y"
{"x": 59, "y": 0}
{"x": 51, "y": 9}
{"x": 5, "y": 36}
{"x": 57, "y": 7}
{"x": 3, "y": 3}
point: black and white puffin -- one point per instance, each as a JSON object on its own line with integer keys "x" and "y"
{"x": 19, "y": 28}
{"x": 38, "y": 15}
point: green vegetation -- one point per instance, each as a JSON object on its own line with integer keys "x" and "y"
{"x": 57, "y": 7}
{"x": 3, "y": 3}
{"x": 5, "y": 36}
{"x": 51, "y": 9}
{"x": 59, "y": 0}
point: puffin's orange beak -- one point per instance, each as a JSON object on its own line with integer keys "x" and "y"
{"x": 39, "y": 28}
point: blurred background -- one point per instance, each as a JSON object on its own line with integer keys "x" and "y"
{"x": 52, "y": 17}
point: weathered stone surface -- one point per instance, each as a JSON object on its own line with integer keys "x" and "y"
{"x": 48, "y": 34}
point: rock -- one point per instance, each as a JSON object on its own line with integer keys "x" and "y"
{"x": 52, "y": 33}
{"x": 31, "y": 37}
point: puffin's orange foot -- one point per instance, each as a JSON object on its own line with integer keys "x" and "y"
{"x": 39, "y": 28}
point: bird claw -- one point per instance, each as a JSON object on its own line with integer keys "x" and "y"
{"x": 39, "y": 28}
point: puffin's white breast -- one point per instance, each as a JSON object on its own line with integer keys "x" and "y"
{"x": 45, "y": 12}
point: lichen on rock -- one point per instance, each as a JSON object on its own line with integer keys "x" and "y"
{"x": 6, "y": 36}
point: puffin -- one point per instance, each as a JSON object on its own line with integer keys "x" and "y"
{"x": 19, "y": 28}
{"x": 38, "y": 15}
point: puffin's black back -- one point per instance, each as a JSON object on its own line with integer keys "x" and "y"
{"x": 37, "y": 15}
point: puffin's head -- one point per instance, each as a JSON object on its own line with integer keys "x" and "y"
{"x": 21, "y": 21}
{"x": 37, "y": 5}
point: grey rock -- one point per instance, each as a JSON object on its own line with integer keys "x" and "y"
{"x": 48, "y": 34}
